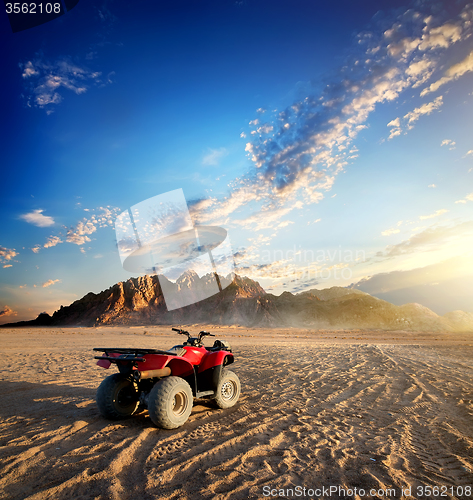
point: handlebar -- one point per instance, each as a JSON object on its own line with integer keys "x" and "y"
{"x": 181, "y": 332}
{"x": 202, "y": 333}
{"x": 193, "y": 341}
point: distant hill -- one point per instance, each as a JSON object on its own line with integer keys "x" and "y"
{"x": 245, "y": 302}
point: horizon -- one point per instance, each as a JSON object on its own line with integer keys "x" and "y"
{"x": 332, "y": 142}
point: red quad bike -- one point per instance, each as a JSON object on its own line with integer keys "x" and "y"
{"x": 165, "y": 382}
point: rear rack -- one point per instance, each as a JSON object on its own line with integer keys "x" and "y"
{"x": 134, "y": 351}
{"x": 131, "y": 357}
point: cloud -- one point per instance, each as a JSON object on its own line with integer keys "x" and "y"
{"x": 44, "y": 80}
{"x": 7, "y": 254}
{"x": 469, "y": 153}
{"x": 425, "y": 109}
{"x": 452, "y": 73}
{"x": 38, "y": 219}
{"x": 313, "y": 137}
{"x": 468, "y": 197}
{"x": 430, "y": 237}
{"x": 80, "y": 234}
{"x": 432, "y": 186}
{"x": 410, "y": 118}
{"x": 50, "y": 283}
{"x": 7, "y": 311}
{"x": 388, "y": 232}
{"x": 448, "y": 142}
{"x": 214, "y": 156}
{"x": 52, "y": 241}
{"x": 435, "y": 214}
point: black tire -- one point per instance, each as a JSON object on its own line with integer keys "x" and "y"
{"x": 228, "y": 390}
{"x": 170, "y": 402}
{"x": 117, "y": 397}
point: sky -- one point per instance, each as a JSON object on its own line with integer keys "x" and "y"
{"x": 332, "y": 140}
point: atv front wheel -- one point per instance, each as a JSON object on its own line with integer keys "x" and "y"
{"x": 117, "y": 397}
{"x": 170, "y": 402}
{"x": 228, "y": 390}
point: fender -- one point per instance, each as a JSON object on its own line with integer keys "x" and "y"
{"x": 216, "y": 358}
{"x": 180, "y": 367}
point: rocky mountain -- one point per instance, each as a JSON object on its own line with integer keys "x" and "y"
{"x": 244, "y": 302}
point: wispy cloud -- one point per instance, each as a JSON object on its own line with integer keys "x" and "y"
{"x": 426, "y": 239}
{"x": 452, "y": 73}
{"x": 50, "y": 283}
{"x": 52, "y": 241}
{"x": 301, "y": 150}
{"x": 38, "y": 219}
{"x": 213, "y": 156}
{"x": 435, "y": 214}
{"x": 7, "y": 255}
{"x": 79, "y": 234}
{"x": 44, "y": 81}
{"x": 410, "y": 118}
{"x": 391, "y": 231}
{"x": 448, "y": 142}
{"x": 468, "y": 197}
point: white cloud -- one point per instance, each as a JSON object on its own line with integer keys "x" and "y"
{"x": 38, "y": 219}
{"x": 388, "y": 232}
{"x": 36, "y": 249}
{"x": 52, "y": 241}
{"x": 79, "y": 234}
{"x": 432, "y": 186}
{"x": 468, "y": 197}
{"x": 50, "y": 283}
{"x": 452, "y": 73}
{"x": 7, "y": 254}
{"x": 29, "y": 70}
{"x": 448, "y": 142}
{"x": 265, "y": 129}
{"x": 214, "y": 156}
{"x": 431, "y": 237}
{"x": 313, "y": 138}
{"x": 435, "y": 214}
{"x": 44, "y": 80}
{"x": 469, "y": 153}
{"x": 425, "y": 109}
{"x": 410, "y": 118}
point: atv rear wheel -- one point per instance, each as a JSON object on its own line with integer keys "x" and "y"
{"x": 117, "y": 397}
{"x": 170, "y": 402}
{"x": 228, "y": 389}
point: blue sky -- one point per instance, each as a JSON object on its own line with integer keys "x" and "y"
{"x": 333, "y": 142}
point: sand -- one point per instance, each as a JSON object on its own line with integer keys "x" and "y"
{"x": 367, "y": 411}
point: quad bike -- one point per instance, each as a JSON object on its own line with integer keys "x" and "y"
{"x": 165, "y": 382}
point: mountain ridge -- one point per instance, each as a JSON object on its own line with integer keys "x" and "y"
{"x": 243, "y": 301}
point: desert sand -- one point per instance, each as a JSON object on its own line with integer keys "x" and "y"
{"x": 369, "y": 411}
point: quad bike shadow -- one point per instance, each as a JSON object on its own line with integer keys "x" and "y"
{"x": 166, "y": 382}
